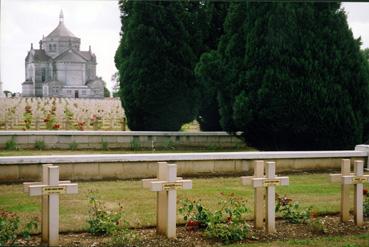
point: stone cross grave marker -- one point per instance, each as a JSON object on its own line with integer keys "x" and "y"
{"x": 49, "y": 189}
{"x": 259, "y": 193}
{"x": 166, "y": 185}
{"x": 269, "y": 182}
{"x": 345, "y": 188}
{"x": 357, "y": 179}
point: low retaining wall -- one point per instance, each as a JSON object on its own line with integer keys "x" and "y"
{"x": 121, "y": 139}
{"x": 129, "y": 166}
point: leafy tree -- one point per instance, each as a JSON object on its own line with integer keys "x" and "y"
{"x": 366, "y": 53}
{"x": 215, "y": 13}
{"x": 155, "y": 63}
{"x": 293, "y": 77}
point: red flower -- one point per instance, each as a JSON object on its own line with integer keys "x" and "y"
{"x": 365, "y": 192}
{"x": 192, "y": 225}
{"x": 314, "y": 215}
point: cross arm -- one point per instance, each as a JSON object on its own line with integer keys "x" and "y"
{"x": 146, "y": 183}
{"x": 336, "y": 178}
{"x": 266, "y": 182}
{"x": 355, "y": 179}
{"x": 38, "y": 190}
{"x": 27, "y": 184}
{"x": 163, "y": 185}
{"x": 247, "y": 180}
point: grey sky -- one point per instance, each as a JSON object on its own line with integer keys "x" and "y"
{"x": 97, "y": 23}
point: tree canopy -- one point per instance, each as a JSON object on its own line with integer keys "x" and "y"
{"x": 292, "y": 77}
{"x": 155, "y": 62}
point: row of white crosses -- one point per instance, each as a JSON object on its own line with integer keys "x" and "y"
{"x": 167, "y": 183}
{"x": 110, "y": 110}
{"x": 347, "y": 178}
{"x": 264, "y": 185}
{"x": 49, "y": 189}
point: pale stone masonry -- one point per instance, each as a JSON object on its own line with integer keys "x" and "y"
{"x": 346, "y": 178}
{"x": 49, "y": 189}
{"x": 128, "y": 166}
{"x": 166, "y": 185}
{"x": 60, "y": 69}
{"x": 265, "y": 183}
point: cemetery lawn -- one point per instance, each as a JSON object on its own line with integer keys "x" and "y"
{"x": 139, "y": 204}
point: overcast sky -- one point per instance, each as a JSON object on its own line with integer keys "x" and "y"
{"x": 97, "y": 23}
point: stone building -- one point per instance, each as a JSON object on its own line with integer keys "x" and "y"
{"x": 60, "y": 69}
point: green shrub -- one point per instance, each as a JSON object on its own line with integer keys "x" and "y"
{"x": 227, "y": 223}
{"x": 68, "y": 116}
{"x": 292, "y": 211}
{"x": 169, "y": 144}
{"x": 228, "y": 232}
{"x": 366, "y": 203}
{"x": 194, "y": 214}
{"x": 104, "y": 145}
{"x": 135, "y": 144}
{"x": 318, "y": 226}
{"x": 40, "y": 145}
{"x": 10, "y": 228}
{"x": 11, "y": 144}
{"x": 101, "y": 221}
{"x": 27, "y": 117}
{"x": 73, "y": 145}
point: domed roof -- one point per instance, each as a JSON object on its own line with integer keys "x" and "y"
{"x": 61, "y": 30}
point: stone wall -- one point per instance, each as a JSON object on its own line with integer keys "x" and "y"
{"x": 136, "y": 166}
{"x": 121, "y": 139}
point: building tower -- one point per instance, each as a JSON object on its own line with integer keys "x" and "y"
{"x": 60, "y": 69}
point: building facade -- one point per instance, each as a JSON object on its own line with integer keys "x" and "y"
{"x": 60, "y": 69}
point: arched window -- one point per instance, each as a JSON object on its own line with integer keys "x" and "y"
{"x": 50, "y": 47}
{"x": 43, "y": 74}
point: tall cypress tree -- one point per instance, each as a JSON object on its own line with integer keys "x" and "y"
{"x": 155, "y": 63}
{"x": 209, "y": 116}
{"x": 208, "y": 70}
{"x": 294, "y": 77}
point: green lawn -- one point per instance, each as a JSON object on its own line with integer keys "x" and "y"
{"x": 139, "y": 204}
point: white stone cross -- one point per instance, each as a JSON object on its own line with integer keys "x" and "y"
{"x": 347, "y": 178}
{"x": 259, "y": 193}
{"x": 345, "y": 188}
{"x": 270, "y": 181}
{"x": 166, "y": 185}
{"x": 357, "y": 179}
{"x": 49, "y": 190}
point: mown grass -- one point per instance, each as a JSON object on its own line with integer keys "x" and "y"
{"x": 139, "y": 204}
